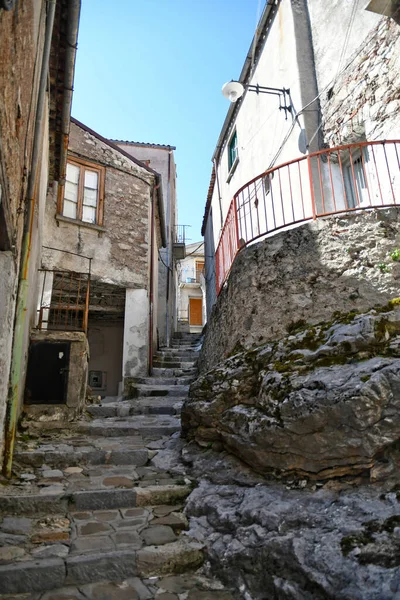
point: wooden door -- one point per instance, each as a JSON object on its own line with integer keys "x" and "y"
{"x": 195, "y": 311}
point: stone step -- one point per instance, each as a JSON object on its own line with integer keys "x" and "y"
{"x": 192, "y": 585}
{"x": 150, "y": 405}
{"x": 77, "y": 451}
{"x": 77, "y": 569}
{"x": 184, "y": 357}
{"x": 178, "y": 352}
{"x": 141, "y": 424}
{"x": 173, "y": 364}
{"x": 141, "y": 390}
{"x": 174, "y": 372}
{"x": 159, "y": 380}
{"x": 55, "y": 503}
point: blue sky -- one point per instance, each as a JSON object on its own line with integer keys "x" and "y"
{"x": 152, "y": 71}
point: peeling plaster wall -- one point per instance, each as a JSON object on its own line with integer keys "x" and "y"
{"x": 136, "y": 327}
{"x": 364, "y": 100}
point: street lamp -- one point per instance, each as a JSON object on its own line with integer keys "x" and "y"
{"x": 233, "y": 90}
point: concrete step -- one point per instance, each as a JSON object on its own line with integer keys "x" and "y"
{"x": 79, "y": 451}
{"x": 173, "y": 364}
{"x": 76, "y": 569}
{"x": 150, "y": 405}
{"x": 192, "y": 584}
{"x": 51, "y": 502}
{"x": 141, "y": 390}
{"x": 159, "y": 380}
{"x": 180, "y": 351}
{"x": 182, "y": 356}
{"x": 174, "y": 372}
{"x": 144, "y": 425}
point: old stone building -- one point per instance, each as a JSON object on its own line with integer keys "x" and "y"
{"x": 37, "y": 42}
{"x": 107, "y": 220}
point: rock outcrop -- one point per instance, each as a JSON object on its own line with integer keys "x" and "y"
{"x": 322, "y": 402}
{"x": 275, "y": 543}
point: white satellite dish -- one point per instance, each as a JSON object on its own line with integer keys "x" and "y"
{"x": 232, "y": 90}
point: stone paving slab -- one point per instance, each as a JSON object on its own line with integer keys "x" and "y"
{"x": 111, "y": 491}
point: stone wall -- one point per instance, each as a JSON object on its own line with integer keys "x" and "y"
{"x": 21, "y": 44}
{"x": 364, "y": 101}
{"x": 120, "y": 248}
{"x": 306, "y": 274}
{"x": 60, "y": 414}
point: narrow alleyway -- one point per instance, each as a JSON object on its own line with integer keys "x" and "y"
{"x": 96, "y": 512}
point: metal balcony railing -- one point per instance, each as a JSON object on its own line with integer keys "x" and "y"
{"x": 180, "y": 234}
{"x": 346, "y": 178}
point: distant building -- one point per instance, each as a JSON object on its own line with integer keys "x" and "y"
{"x": 160, "y": 157}
{"x": 191, "y": 290}
{"x": 333, "y": 73}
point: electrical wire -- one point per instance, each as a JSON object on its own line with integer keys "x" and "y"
{"x": 195, "y": 250}
{"x": 329, "y": 85}
{"x": 333, "y": 82}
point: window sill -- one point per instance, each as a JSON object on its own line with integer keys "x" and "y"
{"x": 79, "y": 223}
{"x": 232, "y": 169}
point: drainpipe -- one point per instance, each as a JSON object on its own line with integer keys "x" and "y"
{"x": 74, "y": 9}
{"x": 17, "y": 359}
{"x": 151, "y": 303}
{"x": 169, "y": 212}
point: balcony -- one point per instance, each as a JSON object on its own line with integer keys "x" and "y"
{"x": 347, "y": 178}
{"x": 179, "y": 242}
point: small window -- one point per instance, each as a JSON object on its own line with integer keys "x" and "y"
{"x": 199, "y": 270}
{"x": 232, "y": 151}
{"x": 356, "y": 184}
{"x": 83, "y": 193}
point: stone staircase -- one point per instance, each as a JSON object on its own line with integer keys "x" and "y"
{"x": 96, "y": 511}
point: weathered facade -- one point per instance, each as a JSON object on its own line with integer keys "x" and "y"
{"x": 340, "y": 67}
{"x": 118, "y": 226}
{"x": 33, "y": 127}
{"x": 160, "y": 157}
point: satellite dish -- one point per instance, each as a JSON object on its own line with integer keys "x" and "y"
{"x": 232, "y": 90}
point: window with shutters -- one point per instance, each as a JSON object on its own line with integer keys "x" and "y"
{"x": 83, "y": 192}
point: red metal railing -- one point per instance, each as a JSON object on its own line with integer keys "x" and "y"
{"x": 331, "y": 181}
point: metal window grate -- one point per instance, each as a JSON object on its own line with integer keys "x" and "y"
{"x": 64, "y": 300}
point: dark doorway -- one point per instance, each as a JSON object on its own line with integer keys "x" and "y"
{"x": 47, "y": 377}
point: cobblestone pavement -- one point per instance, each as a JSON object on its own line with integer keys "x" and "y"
{"x": 96, "y": 512}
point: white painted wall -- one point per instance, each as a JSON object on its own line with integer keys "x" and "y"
{"x": 187, "y": 285}
{"x": 260, "y": 125}
{"x": 136, "y": 330}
